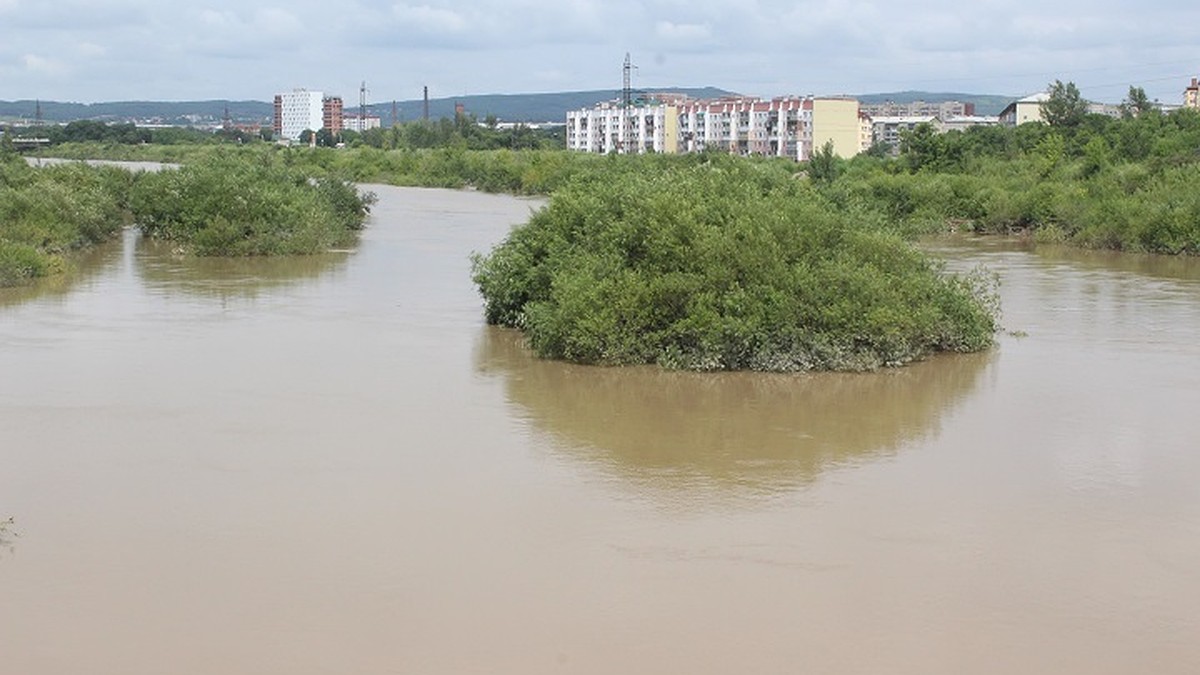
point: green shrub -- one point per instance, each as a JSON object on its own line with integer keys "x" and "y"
{"x": 252, "y": 205}
{"x": 722, "y": 265}
{"x": 46, "y": 212}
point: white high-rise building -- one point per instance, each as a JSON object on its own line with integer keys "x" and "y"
{"x": 298, "y": 111}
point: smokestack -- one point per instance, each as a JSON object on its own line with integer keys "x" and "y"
{"x": 427, "y": 103}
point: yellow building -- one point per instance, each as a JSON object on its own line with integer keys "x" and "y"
{"x": 836, "y": 120}
{"x": 787, "y": 126}
{"x": 1028, "y": 109}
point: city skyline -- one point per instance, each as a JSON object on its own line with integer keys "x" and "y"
{"x": 110, "y": 50}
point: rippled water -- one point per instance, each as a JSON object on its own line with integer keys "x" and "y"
{"x": 330, "y": 465}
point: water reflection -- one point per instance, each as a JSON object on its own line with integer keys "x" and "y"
{"x": 1176, "y": 267}
{"x": 162, "y": 269}
{"x": 80, "y": 267}
{"x": 741, "y": 434}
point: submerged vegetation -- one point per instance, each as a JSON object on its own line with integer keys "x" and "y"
{"x": 225, "y": 206}
{"x": 717, "y": 264}
{"x": 252, "y": 205}
{"x": 46, "y": 213}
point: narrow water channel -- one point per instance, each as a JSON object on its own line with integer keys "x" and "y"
{"x": 331, "y": 465}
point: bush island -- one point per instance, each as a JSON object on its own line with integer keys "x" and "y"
{"x": 723, "y": 265}
{"x": 257, "y": 205}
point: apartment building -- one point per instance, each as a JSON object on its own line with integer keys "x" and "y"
{"x": 964, "y": 123}
{"x": 781, "y": 127}
{"x": 332, "y": 115}
{"x": 361, "y": 124}
{"x": 1191, "y": 95}
{"x": 890, "y": 130}
{"x": 941, "y": 110}
{"x": 301, "y": 110}
{"x": 611, "y": 128}
{"x": 1028, "y": 109}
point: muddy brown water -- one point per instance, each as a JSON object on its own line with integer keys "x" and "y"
{"x": 330, "y": 465}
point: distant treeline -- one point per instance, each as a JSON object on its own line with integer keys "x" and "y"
{"x": 463, "y": 131}
{"x": 127, "y": 133}
{"x": 540, "y": 107}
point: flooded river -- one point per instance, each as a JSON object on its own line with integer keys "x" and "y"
{"x": 331, "y": 465}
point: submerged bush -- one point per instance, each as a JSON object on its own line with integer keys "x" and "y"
{"x": 237, "y": 206}
{"x": 46, "y": 212}
{"x": 723, "y": 266}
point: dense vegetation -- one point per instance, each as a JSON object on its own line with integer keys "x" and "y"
{"x": 712, "y": 264}
{"x": 233, "y": 207}
{"x": 45, "y": 213}
{"x": 1129, "y": 184}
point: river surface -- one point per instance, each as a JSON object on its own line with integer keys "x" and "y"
{"x": 331, "y": 465}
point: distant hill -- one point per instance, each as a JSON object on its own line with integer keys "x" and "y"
{"x": 547, "y": 107}
{"x": 985, "y": 104}
{"x": 526, "y": 107}
{"x": 166, "y": 112}
{"x": 550, "y": 107}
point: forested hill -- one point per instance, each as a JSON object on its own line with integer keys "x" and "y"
{"x": 544, "y": 107}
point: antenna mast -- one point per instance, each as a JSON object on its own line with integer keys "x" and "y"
{"x": 627, "y": 88}
{"x": 362, "y": 107}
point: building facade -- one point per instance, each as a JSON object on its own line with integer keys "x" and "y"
{"x": 301, "y": 110}
{"x": 941, "y": 110}
{"x": 791, "y": 127}
{"x": 1028, "y": 109}
{"x": 331, "y": 113}
{"x": 298, "y": 111}
{"x": 1191, "y": 95}
{"x": 890, "y": 130}
{"x": 611, "y": 128}
{"x": 361, "y": 124}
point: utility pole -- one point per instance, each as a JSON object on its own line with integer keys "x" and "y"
{"x": 627, "y": 104}
{"x": 362, "y": 107}
{"x": 627, "y": 88}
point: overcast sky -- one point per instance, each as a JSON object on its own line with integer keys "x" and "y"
{"x": 110, "y": 50}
